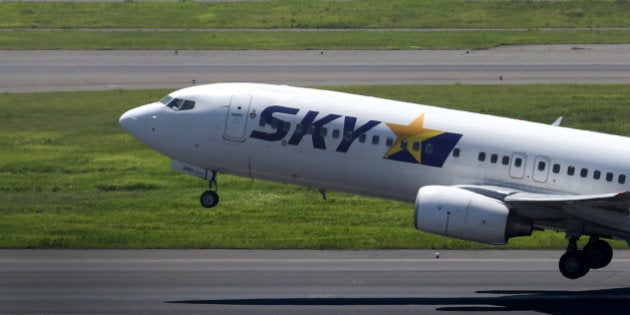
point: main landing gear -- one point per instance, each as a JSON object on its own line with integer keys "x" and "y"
{"x": 210, "y": 198}
{"x": 576, "y": 263}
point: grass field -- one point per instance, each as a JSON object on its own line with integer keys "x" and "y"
{"x": 291, "y": 40}
{"x": 71, "y": 178}
{"x": 141, "y": 25}
{"x": 317, "y": 14}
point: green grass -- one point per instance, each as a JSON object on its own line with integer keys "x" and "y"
{"x": 139, "y": 25}
{"x": 200, "y": 40}
{"x": 317, "y": 14}
{"x": 71, "y": 178}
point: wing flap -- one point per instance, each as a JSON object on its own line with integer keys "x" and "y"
{"x": 612, "y": 201}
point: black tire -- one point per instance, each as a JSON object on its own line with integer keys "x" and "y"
{"x": 209, "y": 199}
{"x": 573, "y": 265}
{"x": 598, "y": 254}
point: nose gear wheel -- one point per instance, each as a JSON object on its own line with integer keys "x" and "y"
{"x": 210, "y": 198}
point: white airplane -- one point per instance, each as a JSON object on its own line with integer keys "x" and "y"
{"x": 474, "y": 177}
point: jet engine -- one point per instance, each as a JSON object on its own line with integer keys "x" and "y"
{"x": 466, "y": 215}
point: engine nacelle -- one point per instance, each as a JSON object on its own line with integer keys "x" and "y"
{"x": 466, "y": 215}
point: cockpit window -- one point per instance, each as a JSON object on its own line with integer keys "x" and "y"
{"x": 166, "y": 99}
{"x": 180, "y": 104}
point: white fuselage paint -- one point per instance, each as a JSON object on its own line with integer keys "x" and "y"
{"x": 210, "y": 136}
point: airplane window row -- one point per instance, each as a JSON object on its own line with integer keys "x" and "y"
{"x": 494, "y": 158}
{"x": 584, "y": 173}
{"x": 542, "y": 166}
{"x": 177, "y": 103}
{"x": 349, "y": 135}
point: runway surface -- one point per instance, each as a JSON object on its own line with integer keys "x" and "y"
{"x": 298, "y": 282}
{"x": 26, "y": 71}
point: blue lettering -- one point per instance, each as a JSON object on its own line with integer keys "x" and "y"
{"x": 350, "y": 134}
{"x": 309, "y": 123}
{"x": 277, "y": 124}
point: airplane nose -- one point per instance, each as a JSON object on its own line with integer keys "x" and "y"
{"x": 136, "y": 121}
{"x": 124, "y": 120}
{"x": 128, "y": 121}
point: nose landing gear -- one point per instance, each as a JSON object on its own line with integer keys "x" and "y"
{"x": 576, "y": 263}
{"x": 210, "y": 198}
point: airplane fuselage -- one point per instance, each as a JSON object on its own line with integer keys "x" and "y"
{"x": 468, "y": 173}
{"x": 346, "y": 142}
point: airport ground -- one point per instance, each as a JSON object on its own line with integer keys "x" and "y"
{"x": 270, "y": 282}
{"x": 305, "y": 282}
{"x": 36, "y": 71}
{"x": 298, "y": 281}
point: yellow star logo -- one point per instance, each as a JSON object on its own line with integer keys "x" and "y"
{"x": 410, "y": 134}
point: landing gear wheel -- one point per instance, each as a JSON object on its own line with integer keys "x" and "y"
{"x": 573, "y": 264}
{"x": 209, "y": 199}
{"x": 597, "y": 253}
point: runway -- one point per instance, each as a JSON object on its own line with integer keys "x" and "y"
{"x": 290, "y": 282}
{"x": 307, "y": 282}
{"x": 32, "y": 71}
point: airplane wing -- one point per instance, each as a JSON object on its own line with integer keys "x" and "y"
{"x": 613, "y": 201}
{"x": 605, "y": 214}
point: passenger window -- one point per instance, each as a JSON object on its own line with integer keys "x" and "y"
{"x": 542, "y": 166}
{"x": 389, "y": 142}
{"x": 403, "y": 144}
{"x": 263, "y": 121}
{"x": 556, "y": 168}
{"x": 597, "y": 175}
{"x": 482, "y": 156}
{"x": 456, "y": 152}
{"x": 518, "y": 162}
{"x": 362, "y": 138}
{"x": 335, "y": 133}
{"x": 311, "y": 129}
{"x": 428, "y": 148}
{"x": 609, "y": 177}
{"x": 622, "y": 179}
{"x": 323, "y": 132}
{"x": 494, "y": 158}
{"x": 299, "y": 128}
{"x": 416, "y": 146}
{"x": 347, "y": 136}
{"x": 375, "y": 139}
{"x": 286, "y": 126}
{"x": 583, "y": 172}
{"x": 571, "y": 170}
{"x": 506, "y": 160}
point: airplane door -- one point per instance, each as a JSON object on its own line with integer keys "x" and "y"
{"x": 517, "y": 166}
{"x": 236, "y": 122}
{"x": 541, "y": 168}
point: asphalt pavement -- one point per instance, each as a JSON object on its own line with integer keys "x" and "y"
{"x": 298, "y": 282}
{"x": 33, "y": 71}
